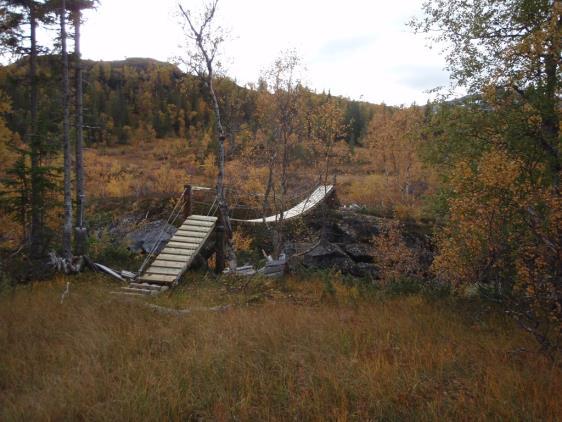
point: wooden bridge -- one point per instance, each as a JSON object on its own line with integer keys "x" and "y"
{"x": 181, "y": 249}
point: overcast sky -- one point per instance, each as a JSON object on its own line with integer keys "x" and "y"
{"x": 361, "y": 49}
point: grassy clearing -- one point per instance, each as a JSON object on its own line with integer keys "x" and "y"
{"x": 289, "y": 350}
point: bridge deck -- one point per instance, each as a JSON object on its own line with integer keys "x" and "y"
{"x": 315, "y": 198}
{"x": 180, "y": 250}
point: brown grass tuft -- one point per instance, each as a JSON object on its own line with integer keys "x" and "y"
{"x": 291, "y": 357}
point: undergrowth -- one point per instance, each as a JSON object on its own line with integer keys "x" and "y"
{"x": 307, "y": 349}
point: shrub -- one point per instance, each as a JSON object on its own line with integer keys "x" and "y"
{"x": 395, "y": 259}
{"x": 503, "y": 232}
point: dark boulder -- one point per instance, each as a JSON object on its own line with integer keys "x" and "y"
{"x": 355, "y": 227}
{"x": 365, "y": 269}
{"x": 150, "y": 235}
{"x": 359, "y": 252}
{"x": 323, "y": 255}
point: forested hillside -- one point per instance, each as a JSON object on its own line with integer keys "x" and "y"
{"x": 144, "y": 99}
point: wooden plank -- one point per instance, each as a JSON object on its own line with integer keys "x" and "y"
{"x": 163, "y": 270}
{"x": 202, "y": 218}
{"x": 198, "y": 229}
{"x": 182, "y": 245}
{"x": 140, "y": 291}
{"x": 303, "y": 207}
{"x": 180, "y": 250}
{"x": 127, "y": 294}
{"x": 188, "y": 233}
{"x": 172, "y": 258}
{"x": 273, "y": 270}
{"x": 170, "y": 264}
{"x": 176, "y": 251}
{"x": 158, "y": 278}
{"x": 185, "y": 239}
{"x": 275, "y": 262}
{"x": 198, "y": 223}
{"x": 147, "y": 286}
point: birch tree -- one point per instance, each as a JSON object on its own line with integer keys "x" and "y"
{"x": 67, "y": 226}
{"x": 77, "y": 6}
{"x": 203, "y": 41}
{"x": 280, "y": 119}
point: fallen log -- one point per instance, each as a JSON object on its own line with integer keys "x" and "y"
{"x": 186, "y": 311}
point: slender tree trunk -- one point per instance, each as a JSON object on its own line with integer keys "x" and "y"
{"x": 81, "y": 234}
{"x": 224, "y": 228}
{"x": 67, "y": 228}
{"x": 36, "y": 248}
{"x": 279, "y": 235}
{"x": 220, "y": 129}
{"x": 200, "y": 36}
{"x": 551, "y": 111}
{"x": 268, "y": 187}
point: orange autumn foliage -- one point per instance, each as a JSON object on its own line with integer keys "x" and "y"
{"x": 504, "y": 231}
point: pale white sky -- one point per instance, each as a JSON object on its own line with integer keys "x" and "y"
{"x": 360, "y": 49}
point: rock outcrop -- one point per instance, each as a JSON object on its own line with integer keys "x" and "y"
{"x": 346, "y": 244}
{"x": 150, "y": 235}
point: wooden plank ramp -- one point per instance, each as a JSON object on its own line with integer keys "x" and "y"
{"x": 176, "y": 257}
{"x": 181, "y": 249}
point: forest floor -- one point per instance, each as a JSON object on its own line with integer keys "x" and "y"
{"x": 312, "y": 347}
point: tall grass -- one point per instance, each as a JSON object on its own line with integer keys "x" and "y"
{"x": 292, "y": 357}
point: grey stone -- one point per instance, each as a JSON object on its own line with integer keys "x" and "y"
{"x": 365, "y": 269}
{"x": 359, "y": 252}
{"x": 150, "y": 235}
{"x": 328, "y": 255}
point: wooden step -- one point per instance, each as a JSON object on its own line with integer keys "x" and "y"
{"x": 163, "y": 270}
{"x": 156, "y": 287}
{"x": 172, "y": 258}
{"x": 197, "y": 229}
{"x": 128, "y": 294}
{"x": 146, "y": 292}
{"x": 187, "y": 233}
{"x": 202, "y": 217}
{"x": 177, "y": 251}
{"x": 182, "y": 245}
{"x": 158, "y": 278}
{"x": 198, "y": 223}
{"x": 187, "y": 239}
{"x": 169, "y": 264}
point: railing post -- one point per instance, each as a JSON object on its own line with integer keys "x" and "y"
{"x": 188, "y": 201}
{"x": 220, "y": 247}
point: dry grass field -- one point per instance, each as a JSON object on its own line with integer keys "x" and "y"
{"x": 299, "y": 349}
